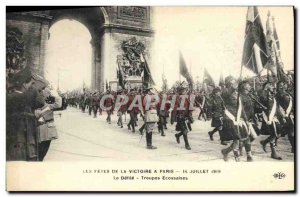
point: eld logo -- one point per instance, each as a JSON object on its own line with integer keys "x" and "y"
{"x": 279, "y": 175}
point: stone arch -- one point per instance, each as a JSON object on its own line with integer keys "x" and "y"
{"x": 94, "y": 19}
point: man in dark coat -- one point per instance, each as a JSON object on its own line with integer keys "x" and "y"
{"x": 286, "y": 108}
{"x": 248, "y": 117}
{"x": 95, "y": 103}
{"x": 233, "y": 129}
{"x": 270, "y": 123}
{"x": 108, "y": 104}
{"x": 183, "y": 116}
{"x": 217, "y": 113}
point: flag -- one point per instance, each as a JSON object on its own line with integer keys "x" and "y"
{"x": 276, "y": 35}
{"x": 208, "y": 79}
{"x": 146, "y": 74}
{"x": 221, "y": 81}
{"x": 279, "y": 64}
{"x": 255, "y": 54}
{"x": 271, "y": 48}
{"x": 184, "y": 71}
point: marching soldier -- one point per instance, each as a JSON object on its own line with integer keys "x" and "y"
{"x": 89, "y": 103}
{"x": 270, "y": 123}
{"x": 285, "y": 104}
{"x": 233, "y": 127}
{"x": 248, "y": 116}
{"x": 150, "y": 117}
{"x": 95, "y": 103}
{"x": 184, "y": 117}
{"x": 132, "y": 112}
{"x": 122, "y": 109}
{"x": 108, "y": 104}
{"x": 202, "y": 103}
{"x": 162, "y": 115}
{"x": 217, "y": 114}
{"x": 83, "y": 99}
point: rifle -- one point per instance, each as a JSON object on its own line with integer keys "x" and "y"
{"x": 201, "y": 108}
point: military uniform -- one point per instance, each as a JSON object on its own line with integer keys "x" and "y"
{"x": 47, "y": 129}
{"x": 150, "y": 121}
{"x": 184, "y": 120}
{"x": 95, "y": 104}
{"x": 286, "y": 118}
{"x": 121, "y": 111}
{"x": 108, "y": 103}
{"x": 217, "y": 109}
{"x": 233, "y": 127}
{"x": 270, "y": 123}
{"x": 132, "y": 112}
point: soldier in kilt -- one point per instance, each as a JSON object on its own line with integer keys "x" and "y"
{"x": 248, "y": 117}
{"x": 233, "y": 129}
{"x": 217, "y": 113}
{"x": 286, "y": 109}
{"x": 184, "y": 117}
{"x": 270, "y": 124}
{"x": 108, "y": 104}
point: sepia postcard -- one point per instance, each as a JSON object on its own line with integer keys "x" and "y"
{"x": 150, "y": 99}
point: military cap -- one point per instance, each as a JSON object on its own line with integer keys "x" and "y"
{"x": 216, "y": 89}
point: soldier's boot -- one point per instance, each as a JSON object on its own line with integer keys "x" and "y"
{"x": 186, "y": 142}
{"x": 128, "y": 125}
{"x": 225, "y": 152}
{"x": 211, "y": 137}
{"x": 165, "y": 126}
{"x": 142, "y": 128}
{"x": 162, "y": 132}
{"x": 274, "y": 154}
{"x": 249, "y": 157}
{"x": 292, "y": 141}
{"x": 264, "y": 143}
{"x": 133, "y": 127}
{"x": 177, "y": 136}
{"x": 149, "y": 145}
{"x": 147, "y": 139}
{"x": 236, "y": 155}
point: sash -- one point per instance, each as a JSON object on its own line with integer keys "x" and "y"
{"x": 236, "y": 121}
{"x": 288, "y": 110}
{"x": 203, "y": 102}
{"x": 269, "y": 120}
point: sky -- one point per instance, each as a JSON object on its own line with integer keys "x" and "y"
{"x": 211, "y": 38}
{"x": 208, "y": 37}
{"x": 68, "y": 55}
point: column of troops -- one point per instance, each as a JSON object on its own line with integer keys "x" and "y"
{"x": 236, "y": 110}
